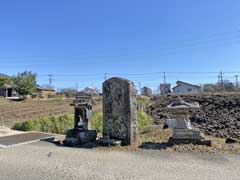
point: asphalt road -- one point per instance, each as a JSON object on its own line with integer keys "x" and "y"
{"x": 44, "y": 161}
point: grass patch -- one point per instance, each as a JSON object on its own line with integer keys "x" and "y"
{"x": 97, "y": 121}
{"x": 144, "y": 122}
{"x": 53, "y": 124}
{"x": 143, "y": 103}
{"x": 60, "y": 124}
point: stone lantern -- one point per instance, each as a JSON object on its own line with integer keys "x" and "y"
{"x": 183, "y": 132}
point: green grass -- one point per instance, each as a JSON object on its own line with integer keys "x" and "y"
{"x": 144, "y": 122}
{"x": 60, "y": 124}
{"x": 143, "y": 103}
{"x": 97, "y": 121}
{"x": 53, "y": 124}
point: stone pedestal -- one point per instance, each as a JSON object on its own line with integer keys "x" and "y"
{"x": 186, "y": 134}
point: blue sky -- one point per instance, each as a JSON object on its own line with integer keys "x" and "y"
{"x": 121, "y": 38}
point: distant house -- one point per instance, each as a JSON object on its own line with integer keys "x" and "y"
{"x": 165, "y": 89}
{"x": 7, "y": 91}
{"x": 186, "y": 88}
{"x": 145, "y": 91}
{"x": 91, "y": 91}
{"x": 45, "y": 92}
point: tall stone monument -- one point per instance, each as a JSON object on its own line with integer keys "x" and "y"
{"x": 119, "y": 110}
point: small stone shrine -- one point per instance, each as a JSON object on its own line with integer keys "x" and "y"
{"x": 81, "y": 134}
{"x": 119, "y": 112}
{"x": 183, "y": 132}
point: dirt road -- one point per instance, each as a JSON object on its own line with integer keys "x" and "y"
{"x": 46, "y": 161}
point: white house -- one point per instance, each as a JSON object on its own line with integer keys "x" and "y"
{"x": 186, "y": 88}
{"x": 91, "y": 91}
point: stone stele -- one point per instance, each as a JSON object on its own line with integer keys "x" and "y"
{"x": 119, "y": 110}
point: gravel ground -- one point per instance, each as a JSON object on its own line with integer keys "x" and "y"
{"x": 49, "y": 162}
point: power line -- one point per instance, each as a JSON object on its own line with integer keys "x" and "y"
{"x": 235, "y": 35}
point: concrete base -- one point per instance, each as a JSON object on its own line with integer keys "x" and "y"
{"x": 186, "y": 134}
{"x": 205, "y": 142}
{"x": 109, "y": 142}
{"x": 78, "y": 137}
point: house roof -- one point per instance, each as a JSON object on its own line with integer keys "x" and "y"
{"x": 188, "y": 84}
{"x": 45, "y": 89}
{"x": 7, "y": 86}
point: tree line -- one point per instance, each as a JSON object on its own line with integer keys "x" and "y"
{"x": 25, "y": 83}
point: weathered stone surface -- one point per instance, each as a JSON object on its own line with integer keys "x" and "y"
{"x": 71, "y": 142}
{"x": 87, "y": 136}
{"x": 80, "y": 134}
{"x": 119, "y": 110}
{"x": 82, "y": 112}
{"x": 186, "y": 134}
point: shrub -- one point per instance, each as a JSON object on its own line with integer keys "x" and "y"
{"x": 53, "y": 124}
{"x": 144, "y": 121}
{"x": 97, "y": 121}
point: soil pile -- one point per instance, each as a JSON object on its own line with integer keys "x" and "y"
{"x": 219, "y": 114}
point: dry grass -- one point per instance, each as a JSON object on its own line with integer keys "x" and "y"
{"x": 157, "y": 139}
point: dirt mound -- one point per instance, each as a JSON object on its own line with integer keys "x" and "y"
{"x": 219, "y": 114}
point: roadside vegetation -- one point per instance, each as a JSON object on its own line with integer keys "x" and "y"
{"x": 52, "y": 124}
{"x": 59, "y": 124}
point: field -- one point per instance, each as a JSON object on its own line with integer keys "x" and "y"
{"x": 12, "y": 112}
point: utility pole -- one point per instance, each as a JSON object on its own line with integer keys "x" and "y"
{"x": 140, "y": 87}
{"x": 50, "y": 80}
{"x": 105, "y": 76}
{"x": 76, "y": 89}
{"x": 221, "y": 78}
{"x": 236, "y": 76}
{"x": 164, "y": 77}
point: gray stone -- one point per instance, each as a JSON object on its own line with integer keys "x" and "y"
{"x": 87, "y": 136}
{"x": 71, "y": 142}
{"x": 119, "y": 110}
{"x": 186, "y": 134}
{"x": 109, "y": 142}
{"x": 80, "y": 134}
{"x": 82, "y": 112}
